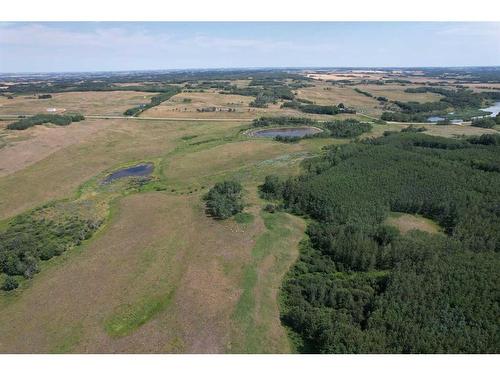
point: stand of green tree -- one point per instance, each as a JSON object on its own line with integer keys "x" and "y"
{"x": 61, "y": 120}
{"x": 348, "y": 128}
{"x": 486, "y": 122}
{"x": 362, "y": 287}
{"x": 224, "y": 199}
{"x": 154, "y": 101}
{"x": 318, "y": 109}
{"x": 31, "y": 238}
{"x": 282, "y": 120}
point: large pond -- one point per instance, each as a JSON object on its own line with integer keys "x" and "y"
{"x": 139, "y": 170}
{"x": 286, "y": 132}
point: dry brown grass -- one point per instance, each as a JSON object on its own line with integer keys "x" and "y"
{"x": 87, "y": 103}
{"x": 407, "y": 222}
{"x": 25, "y": 148}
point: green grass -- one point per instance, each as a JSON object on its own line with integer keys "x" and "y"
{"x": 132, "y": 316}
{"x": 244, "y": 218}
{"x": 255, "y": 309}
{"x": 72, "y": 337}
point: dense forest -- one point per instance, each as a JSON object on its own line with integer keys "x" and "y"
{"x": 360, "y": 286}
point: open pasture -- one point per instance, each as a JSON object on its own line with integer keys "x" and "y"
{"x": 87, "y": 103}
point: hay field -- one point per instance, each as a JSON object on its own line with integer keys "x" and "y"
{"x": 87, "y": 103}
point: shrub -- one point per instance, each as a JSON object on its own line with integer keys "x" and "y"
{"x": 10, "y": 283}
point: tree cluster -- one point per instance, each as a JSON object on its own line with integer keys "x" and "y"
{"x": 61, "y": 120}
{"x": 224, "y": 199}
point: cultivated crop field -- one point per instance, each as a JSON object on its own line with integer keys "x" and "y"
{"x": 156, "y": 273}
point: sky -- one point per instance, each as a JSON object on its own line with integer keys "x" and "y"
{"x": 118, "y": 46}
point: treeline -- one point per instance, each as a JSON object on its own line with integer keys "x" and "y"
{"x": 31, "y": 238}
{"x": 154, "y": 101}
{"x": 360, "y": 286}
{"x": 317, "y": 109}
{"x": 365, "y": 93}
{"x": 61, "y": 120}
{"x": 282, "y": 120}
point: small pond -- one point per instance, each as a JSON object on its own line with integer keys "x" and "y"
{"x": 286, "y": 132}
{"x": 138, "y": 170}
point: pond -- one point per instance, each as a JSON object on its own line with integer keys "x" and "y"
{"x": 286, "y": 132}
{"x": 493, "y": 109}
{"x": 138, "y": 170}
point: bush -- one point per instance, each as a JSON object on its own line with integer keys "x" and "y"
{"x": 10, "y": 283}
{"x": 271, "y": 208}
{"x": 224, "y": 199}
